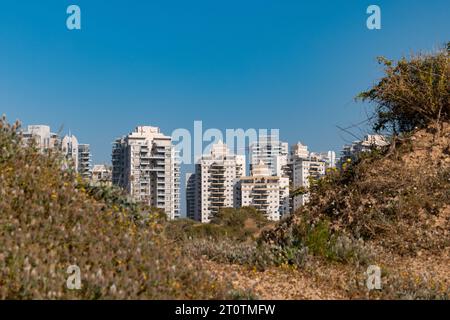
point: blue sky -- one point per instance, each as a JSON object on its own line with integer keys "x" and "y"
{"x": 292, "y": 65}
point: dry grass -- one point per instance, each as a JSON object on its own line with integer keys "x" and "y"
{"x": 392, "y": 209}
{"x": 50, "y": 220}
{"x": 399, "y": 200}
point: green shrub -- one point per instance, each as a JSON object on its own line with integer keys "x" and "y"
{"x": 234, "y": 224}
{"x": 240, "y": 223}
{"x": 252, "y": 254}
{"x": 184, "y": 230}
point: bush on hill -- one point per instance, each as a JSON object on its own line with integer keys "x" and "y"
{"x": 50, "y": 220}
{"x": 414, "y": 93}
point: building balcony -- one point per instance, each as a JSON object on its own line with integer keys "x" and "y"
{"x": 217, "y": 181}
{"x": 256, "y": 204}
{"x": 258, "y": 198}
{"x": 217, "y": 167}
{"x": 157, "y": 157}
{"x": 216, "y": 173}
{"x": 218, "y": 198}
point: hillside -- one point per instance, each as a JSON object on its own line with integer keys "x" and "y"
{"x": 399, "y": 201}
{"x": 390, "y": 209}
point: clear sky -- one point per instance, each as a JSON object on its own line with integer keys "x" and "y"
{"x": 292, "y": 65}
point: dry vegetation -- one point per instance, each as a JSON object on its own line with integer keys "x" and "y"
{"x": 389, "y": 210}
{"x": 49, "y": 220}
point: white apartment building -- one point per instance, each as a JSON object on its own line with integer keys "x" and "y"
{"x": 369, "y": 142}
{"x": 79, "y": 154}
{"x": 101, "y": 174}
{"x": 271, "y": 152}
{"x": 299, "y": 150}
{"x": 215, "y": 184}
{"x": 145, "y": 164}
{"x": 43, "y": 138}
{"x": 267, "y": 193}
{"x": 303, "y": 165}
{"x": 302, "y": 170}
{"x": 69, "y": 147}
{"x": 329, "y": 157}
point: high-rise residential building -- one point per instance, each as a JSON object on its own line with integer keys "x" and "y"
{"x": 101, "y": 174}
{"x": 78, "y": 153}
{"x": 146, "y": 165}
{"x": 191, "y": 196}
{"x": 271, "y": 152}
{"x": 43, "y": 138}
{"x": 304, "y": 165}
{"x": 267, "y": 193}
{"x": 303, "y": 169}
{"x": 215, "y": 183}
{"x": 329, "y": 157}
{"x": 299, "y": 150}
{"x": 371, "y": 141}
{"x": 69, "y": 147}
{"x": 84, "y": 160}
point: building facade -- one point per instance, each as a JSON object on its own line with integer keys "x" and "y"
{"x": 191, "y": 196}
{"x": 271, "y": 152}
{"x": 299, "y": 150}
{"x": 303, "y": 170}
{"x": 304, "y": 166}
{"x": 42, "y": 137}
{"x": 215, "y": 184}
{"x": 84, "y": 160}
{"x": 369, "y": 142}
{"x": 101, "y": 174}
{"x": 79, "y": 154}
{"x": 145, "y": 164}
{"x": 329, "y": 157}
{"x": 267, "y": 193}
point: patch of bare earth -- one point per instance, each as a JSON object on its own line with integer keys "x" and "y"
{"x": 275, "y": 283}
{"x": 424, "y": 264}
